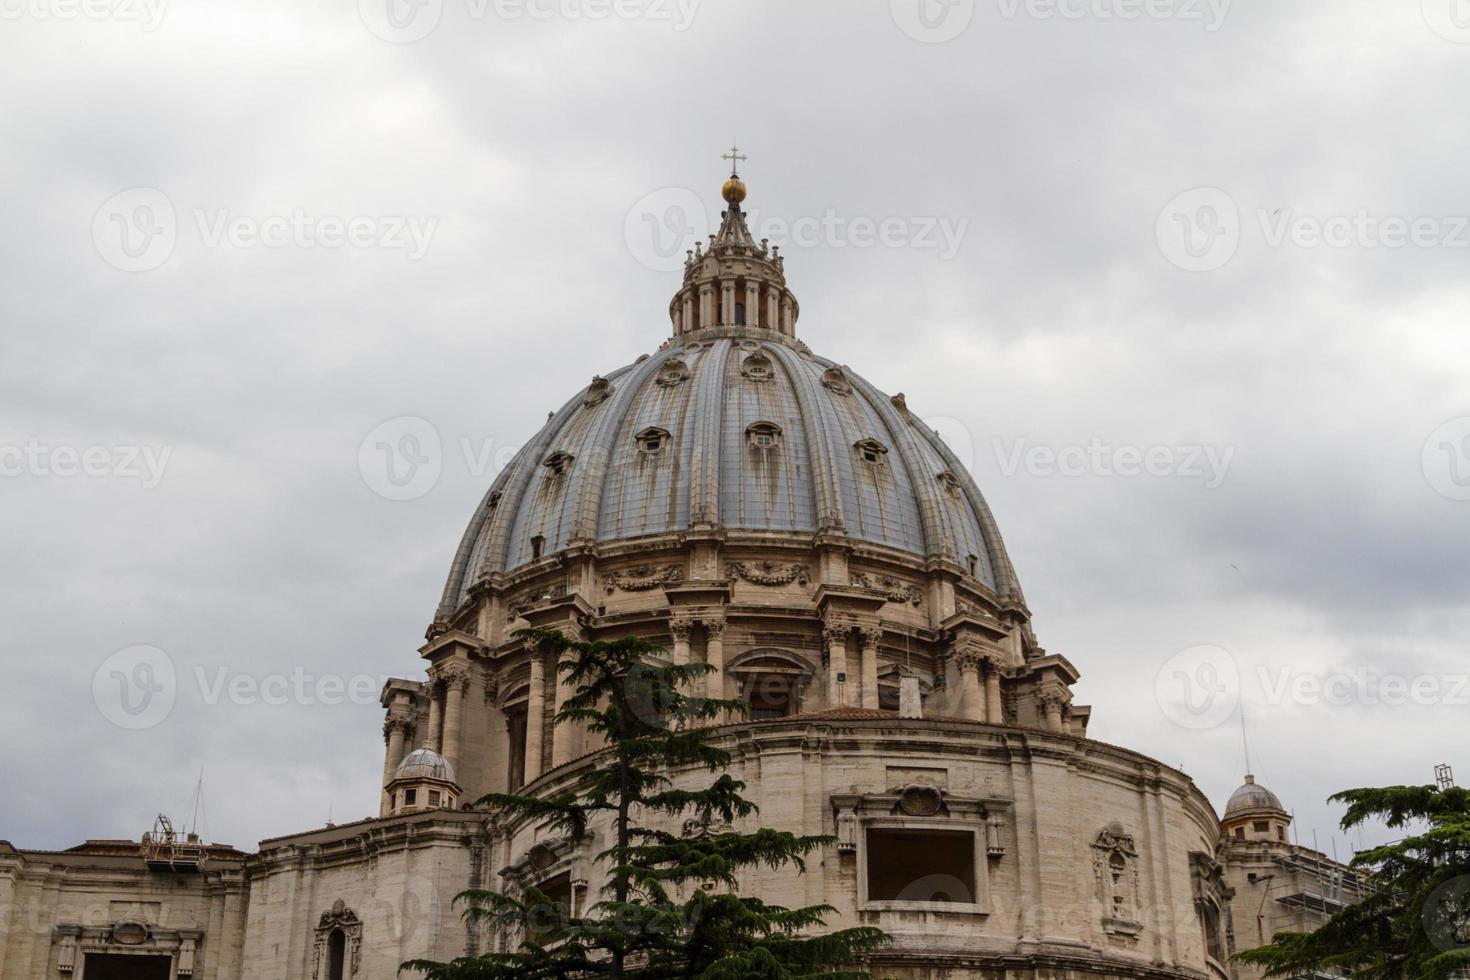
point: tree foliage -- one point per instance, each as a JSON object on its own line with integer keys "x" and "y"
{"x": 670, "y": 905}
{"x": 1416, "y": 920}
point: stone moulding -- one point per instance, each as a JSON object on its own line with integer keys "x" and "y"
{"x": 896, "y": 589}
{"x": 768, "y": 572}
{"x": 641, "y": 578}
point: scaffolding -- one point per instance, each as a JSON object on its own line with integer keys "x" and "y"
{"x": 164, "y": 849}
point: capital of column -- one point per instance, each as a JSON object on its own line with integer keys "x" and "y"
{"x": 453, "y": 675}
{"x": 871, "y": 636}
{"x": 681, "y": 627}
{"x": 836, "y": 631}
{"x": 1054, "y": 701}
{"x": 714, "y": 627}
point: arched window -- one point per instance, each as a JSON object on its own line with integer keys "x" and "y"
{"x": 336, "y": 955}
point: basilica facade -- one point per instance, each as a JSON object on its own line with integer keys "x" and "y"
{"x": 754, "y": 506}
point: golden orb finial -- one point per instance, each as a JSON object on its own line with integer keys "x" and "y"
{"x": 734, "y": 189}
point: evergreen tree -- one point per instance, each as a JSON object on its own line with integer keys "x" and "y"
{"x": 1416, "y": 922}
{"x": 626, "y": 693}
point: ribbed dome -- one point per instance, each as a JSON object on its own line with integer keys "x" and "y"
{"x": 425, "y": 764}
{"x": 1252, "y": 796}
{"x": 739, "y": 433}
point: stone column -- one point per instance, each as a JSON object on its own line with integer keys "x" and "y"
{"x": 972, "y": 701}
{"x": 773, "y": 308}
{"x": 565, "y": 739}
{"x": 706, "y": 306}
{"x": 688, "y": 317}
{"x": 994, "y": 713}
{"x": 680, "y": 628}
{"x": 1051, "y": 704}
{"x": 714, "y": 655}
{"x": 870, "y": 637}
{"x": 752, "y": 303}
{"x": 535, "y": 715}
{"x": 394, "y": 730}
{"x": 836, "y": 636}
{"x": 455, "y": 681}
{"x": 727, "y": 303}
{"x": 788, "y": 318}
{"x": 432, "y": 729}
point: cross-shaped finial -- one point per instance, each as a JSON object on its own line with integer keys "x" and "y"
{"x": 735, "y": 157}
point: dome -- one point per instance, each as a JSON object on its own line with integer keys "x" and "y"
{"x": 735, "y": 432}
{"x": 1252, "y": 796}
{"x": 425, "y": 764}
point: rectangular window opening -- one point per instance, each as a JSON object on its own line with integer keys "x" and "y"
{"x": 921, "y": 865}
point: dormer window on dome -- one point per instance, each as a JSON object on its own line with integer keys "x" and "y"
{"x": 950, "y": 483}
{"x": 835, "y": 380}
{"x": 673, "y": 373}
{"x": 756, "y": 367}
{"x": 652, "y": 440}
{"x": 871, "y": 450}
{"x": 597, "y": 392}
{"x": 763, "y": 435}
{"x": 558, "y": 463}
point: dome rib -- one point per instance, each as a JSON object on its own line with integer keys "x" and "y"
{"x": 933, "y": 519}
{"x": 589, "y": 478}
{"x": 827, "y": 499}
{"x": 704, "y": 470}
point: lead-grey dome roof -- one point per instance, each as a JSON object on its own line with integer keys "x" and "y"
{"x": 590, "y": 473}
{"x": 1252, "y": 796}
{"x": 425, "y": 764}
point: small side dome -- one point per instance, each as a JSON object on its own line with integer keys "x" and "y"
{"x": 425, "y": 764}
{"x": 1252, "y": 796}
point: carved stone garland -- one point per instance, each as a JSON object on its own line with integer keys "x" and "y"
{"x": 641, "y": 578}
{"x": 897, "y": 589}
{"x": 768, "y": 572}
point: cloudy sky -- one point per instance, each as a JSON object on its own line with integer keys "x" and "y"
{"x": 1184, "y": 280}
